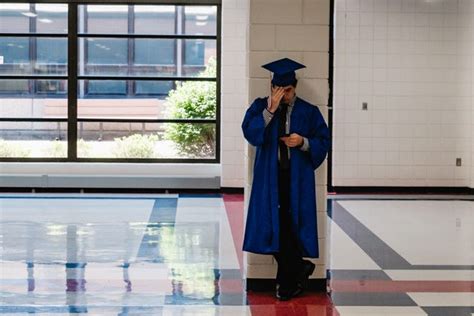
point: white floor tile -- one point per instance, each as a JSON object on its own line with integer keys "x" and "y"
{"x": 206, "y": 310}
{"x": 378, "y": 311}
{"x": 76, "y": 230}
{"x": 443, "y": 299}
{"x": 346, "y": 254}
{"x": 210, "y": 216}
{"x": 422, "y": 232}
{"x": 431, "y": 275}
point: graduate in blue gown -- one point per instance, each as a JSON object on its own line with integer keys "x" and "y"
{"x": 291, "y": 140}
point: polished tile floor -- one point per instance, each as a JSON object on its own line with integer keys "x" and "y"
{"x": 180, "y": 255}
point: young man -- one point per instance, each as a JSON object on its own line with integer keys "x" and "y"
{"x": 292, "y": 140}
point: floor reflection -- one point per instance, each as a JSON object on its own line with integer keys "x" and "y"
{"x": 79, "y": 260}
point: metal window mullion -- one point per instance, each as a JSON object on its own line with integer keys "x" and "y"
{"x": 149, "y": 78}
{"x": 86, "y": 49}
{"x": 96, "y": 35}
{"x": 72, "y": 81}
{"x": 82, "y": 49}
{"x": 39, "y": 35}
{"x": 32, "y": 77}
{"x": 32, "y": 119}
{"x": 148, "y": 36}
{"x": 112, "y": 160}
{"x": 131, "y": 49}
{"x": 148, "y": 121}
{"x": 218, "y": 85}
{"x": 136, "y": 2}
{"x": 179, "y": 42}
{"x": 32, "y": 51}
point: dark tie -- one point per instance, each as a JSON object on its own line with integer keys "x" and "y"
{"x": 284, "y": 162}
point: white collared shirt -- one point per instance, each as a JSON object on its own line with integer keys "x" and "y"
{"x": 268, "y": 116}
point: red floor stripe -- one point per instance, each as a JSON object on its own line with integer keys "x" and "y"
{"x": 266, "y": 304}
{"x": 233, "y": 197}
{"x": 307, "y": 305}
{"x": 400, "y": 286}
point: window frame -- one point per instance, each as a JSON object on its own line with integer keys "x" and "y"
{"x": 73, "y": 77}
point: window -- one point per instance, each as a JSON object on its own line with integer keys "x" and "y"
{"x": 194, "y": 52}
{"x": 147, "y": 87}
{"x": 51, "y": 51}
{"x": 155, "y": 52}
{"x": 33, "y": 106}
{"x": 14, "y": 51}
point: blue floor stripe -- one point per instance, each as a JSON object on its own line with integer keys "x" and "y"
{"x": 162, "y": 217}
{"x": 373, "y": 246}
{"x": 371, "y": 299}
{"x": 451, "y": 311}
{"x": 164, "y": 211}
{"x": 377, "y": 249}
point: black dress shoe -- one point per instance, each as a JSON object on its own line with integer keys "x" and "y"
{"x": 307, "y": 268}
{"x": 287, "y": 294}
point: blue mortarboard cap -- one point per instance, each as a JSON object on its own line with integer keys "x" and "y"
{"x": 283, "y": 71}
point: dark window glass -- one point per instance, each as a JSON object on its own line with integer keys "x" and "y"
{"x": 15, "y": 50}
{"x": 51, "y": 87}
{"x": 16, "y": 99}
{"x": 153, "y": 87}
{"x": 155, "y": 19}
{"x": 107, "y": 51}
{"x": 14, "y": 86}
{"x": 194, "y": 52}
{"x": 200, "y": 20}
{"x": 107, "y": 87}
{"x": 51, "y": 50}
{"x": 155, "y": 52}
{"x": 107, "y": 19}
{"x": 14, "y": 18}
{"x": 114, "y": 97}
{"x": 51, "y": 18}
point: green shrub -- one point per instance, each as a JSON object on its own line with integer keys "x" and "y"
{"x": 190, "y": 100}
{"x": 12, "y": 149}
{"x": 56, "y": 149}
{"x": 135, "y": 146}
{"x": 59, "y": 149}
{"x": 83, "y": 148}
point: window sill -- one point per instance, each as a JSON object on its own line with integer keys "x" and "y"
{"x": 110, "y": 175}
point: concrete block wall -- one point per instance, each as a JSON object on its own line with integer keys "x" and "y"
{"x": 298, "y": 29}
{"x": 234, "y": 90}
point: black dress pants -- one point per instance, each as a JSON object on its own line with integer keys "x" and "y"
{"x": 289, "y": 257}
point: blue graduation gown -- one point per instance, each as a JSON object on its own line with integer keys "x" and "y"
{"x": 262, "y": 228}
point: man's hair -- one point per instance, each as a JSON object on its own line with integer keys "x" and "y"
{"x": 292, "y": 84}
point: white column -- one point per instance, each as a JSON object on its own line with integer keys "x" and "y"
{"x": 297, "y": 29}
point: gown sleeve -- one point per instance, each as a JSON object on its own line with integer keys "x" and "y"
{"x": 319, "y": 141}
{"x": 254, "y": 125}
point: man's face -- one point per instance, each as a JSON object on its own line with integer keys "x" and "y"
{"x": 289, "y": 94}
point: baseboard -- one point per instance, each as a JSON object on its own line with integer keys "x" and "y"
{"x": 108, "y": 181}
{"x": 232, "y": 190}
{"x": 111, "y": 190}
{"x": 265, "y": 285}
{"x": 400, "y": 190}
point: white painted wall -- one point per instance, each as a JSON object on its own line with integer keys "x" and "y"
{"x": 412, "y": 62}
{"x": 234, "y": 90}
